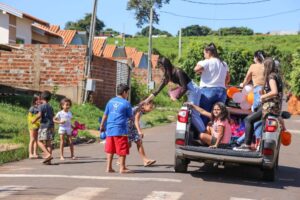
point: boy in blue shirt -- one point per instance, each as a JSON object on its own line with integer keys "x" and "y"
{"x": 117, "y": 112}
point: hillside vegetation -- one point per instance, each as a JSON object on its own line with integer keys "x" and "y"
{"x": 169, "y": 46}
{"x": 236, "y": 51}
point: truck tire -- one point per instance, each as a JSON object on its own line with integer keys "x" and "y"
{"x": 180, "y": 165}
{"x": 270, "y": 174}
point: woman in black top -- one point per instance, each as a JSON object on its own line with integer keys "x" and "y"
{"x": 271, "y": 101}
{"x": 178, "y": 76}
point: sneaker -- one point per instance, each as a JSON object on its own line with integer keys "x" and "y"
{"x": 234, "y": 145}
{"x": 243, "y": 147}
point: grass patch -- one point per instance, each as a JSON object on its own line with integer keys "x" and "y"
{"x": 13, "y": 121}
{"x": 13, "y": 155}
{"x": 160, "y": 116}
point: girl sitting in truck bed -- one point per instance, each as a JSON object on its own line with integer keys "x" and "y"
{"x": 218, "y": 134}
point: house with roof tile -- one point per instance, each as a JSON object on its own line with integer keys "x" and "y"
{"x": 17, "y": 27}
{"x": 99, "y": 44}
{"x": 73, "y": 37}
{"x": 139, "y": 59}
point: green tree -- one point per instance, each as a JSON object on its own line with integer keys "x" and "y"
{"x": 84, "y": 24}
{"x": 196, "y": 30}
{"x": 111, "y": 31}
{"x": 295, "y": 74}
{"x": 195, "y": 53}
{"x": 238, "y": 62}
{"x": 142, "y": 10}
{"x": 155, "y": 31}
{"x": 285, "y": 59}
{"x": 236, "y": 31}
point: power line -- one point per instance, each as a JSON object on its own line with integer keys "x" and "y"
{"x": 225, "y": 4}
{"x": 232, "y": 19}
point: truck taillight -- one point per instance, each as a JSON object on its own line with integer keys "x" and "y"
{"x": 271, "y": 125}
{"x": 183, "y": 116}
{"x": 179, "y": 142}
{"x": 267, "y": 152}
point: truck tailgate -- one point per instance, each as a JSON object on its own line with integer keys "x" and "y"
{"x": 224, "y": 155}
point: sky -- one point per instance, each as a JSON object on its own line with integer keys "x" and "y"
{"x": 115, "y": 15}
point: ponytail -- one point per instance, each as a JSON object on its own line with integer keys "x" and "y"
{"x": 213, "y": 51}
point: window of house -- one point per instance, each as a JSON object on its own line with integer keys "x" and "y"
{"x": 20, "y": 41}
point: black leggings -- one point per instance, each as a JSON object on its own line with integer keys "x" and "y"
{"x": 249, "y": 125}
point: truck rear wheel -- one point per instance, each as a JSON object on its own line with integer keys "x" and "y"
{"x": 270, "y": 174}
{"x": 180, "y": 164}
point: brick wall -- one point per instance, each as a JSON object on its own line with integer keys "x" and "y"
{"x": 41, "y": 67}
{"x": 104, "y": 72}
{"x": 141, "y": 75}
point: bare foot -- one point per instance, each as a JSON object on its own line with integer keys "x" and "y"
{"x": 110, "y": 171}
{"x": 35, "y": 156}
{"x": 62, "y": 158}
{"x": 125, "y": 171}
{"x": 73, "y": 158}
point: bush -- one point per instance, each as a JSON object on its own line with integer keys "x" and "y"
{"x": 138, "y": 91}
{"x": 295, "y": 74}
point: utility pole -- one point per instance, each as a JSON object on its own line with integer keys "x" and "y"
{"x": 179, "y": 44}
{"x": 90, "y": 49}
{"x": 123, "y": 36}
{"x": 149, "y": 77}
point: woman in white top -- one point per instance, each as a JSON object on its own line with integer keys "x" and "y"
{"x": 214, "y": 79}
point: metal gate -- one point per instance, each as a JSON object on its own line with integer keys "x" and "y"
{"x": 123, "y": 74}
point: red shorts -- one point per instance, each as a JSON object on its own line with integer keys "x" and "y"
{"x": 117, "y": 144}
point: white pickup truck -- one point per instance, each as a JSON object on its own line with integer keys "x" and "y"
{"x": 189, "y": 148}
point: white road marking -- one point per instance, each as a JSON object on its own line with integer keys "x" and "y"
{"x": 237, "y": 198}
{"x": 162, "y": 195}
{"x": 294, "y": 131}
{"x": 81, "y": 193}
{"x": 8, "y": 190}
{"x": 8, "y": 168}
{"x": 110, "y": 178}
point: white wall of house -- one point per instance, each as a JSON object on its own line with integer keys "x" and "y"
{"x": 4, "y": 27}
{"x": 24, "y": 30}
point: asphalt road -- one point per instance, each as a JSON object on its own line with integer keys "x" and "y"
{"x": 85, "y": 178}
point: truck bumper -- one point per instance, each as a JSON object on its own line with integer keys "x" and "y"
{"x": 201, "y": 156}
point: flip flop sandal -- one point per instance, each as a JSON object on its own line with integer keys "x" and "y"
{"x": 48, "y": 159}
{"x": 149, "y": 163}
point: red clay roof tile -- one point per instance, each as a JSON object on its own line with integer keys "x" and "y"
{"x": 130, "y": 51}
{"x": 67, "y": 35}
{"x": 109, "y": 51}
{"x": 46, "y": 29}
{"x": 98, "y": 46}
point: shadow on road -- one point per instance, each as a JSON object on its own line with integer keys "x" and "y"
{"x": 156, "y": 168}
{"x": 247, "y": 175}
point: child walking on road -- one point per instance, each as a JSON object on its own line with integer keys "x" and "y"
{"x": 63, "y": 118}
{"x": 117, "y": 112}
{"x": 46, "y": 129}
{"x": 135, "y": 133}
{"x": 33, "y": 128}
